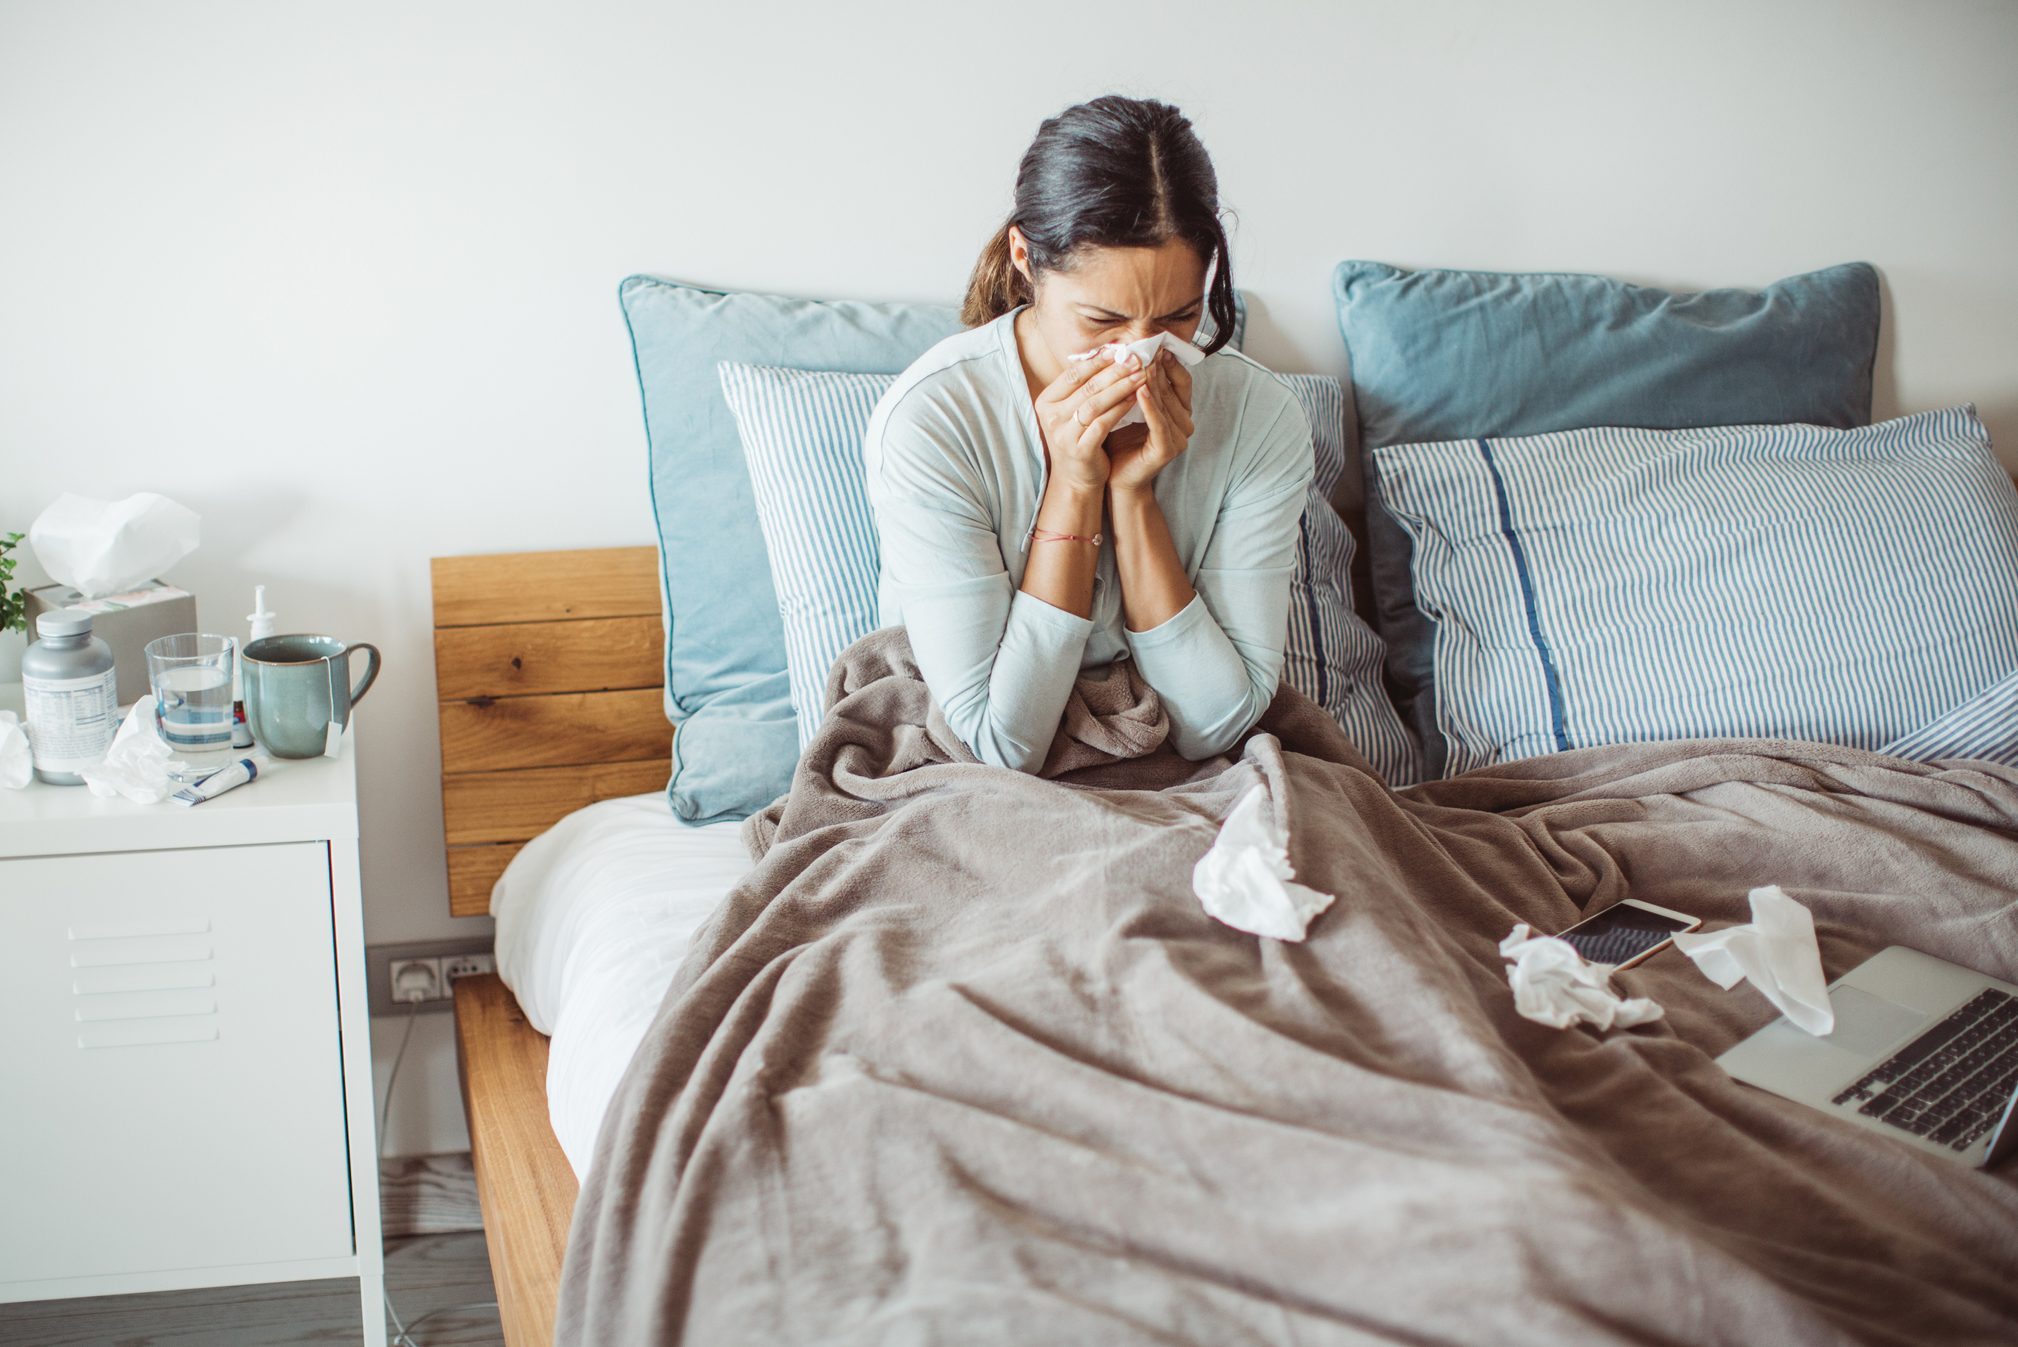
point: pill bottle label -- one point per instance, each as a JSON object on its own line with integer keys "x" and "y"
{"x": 71, "y": 721}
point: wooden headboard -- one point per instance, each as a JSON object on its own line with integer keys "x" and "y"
{"x": 549, "y": 671}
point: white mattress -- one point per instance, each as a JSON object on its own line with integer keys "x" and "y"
{"x": 593, "y": 917}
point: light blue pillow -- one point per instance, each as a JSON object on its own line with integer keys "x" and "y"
{"x": 726, "y": 685}
{"x": 1449, "y": 355}
{"x": 1795, "y": 582}
{"x": 802, "y": 433}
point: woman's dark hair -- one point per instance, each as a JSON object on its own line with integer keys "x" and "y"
{"x": 1110, "y": 173}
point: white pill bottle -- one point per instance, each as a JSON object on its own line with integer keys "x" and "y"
{"x": 72, "y": 696}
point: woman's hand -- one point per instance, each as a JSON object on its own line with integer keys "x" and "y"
{"x": 1166, "y": 414}
{"x": 1078, "y": 409}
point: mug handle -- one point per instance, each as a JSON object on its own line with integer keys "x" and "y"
{"x": 370, "y": 672}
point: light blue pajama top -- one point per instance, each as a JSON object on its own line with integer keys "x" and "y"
{"x": 956, "y": 471}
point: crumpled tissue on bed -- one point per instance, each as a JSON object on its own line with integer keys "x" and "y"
{"x": 17, "y": 764}
{"x": 1244, "y": 878}
{"x": 1776, "y": 952}
{"x": 1553, "y": 985}
{"x": 1187, "y": 355}
{"x": 136, "y": 765}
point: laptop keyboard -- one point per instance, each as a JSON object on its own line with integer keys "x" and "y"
{"x": 1951, "y": 1084}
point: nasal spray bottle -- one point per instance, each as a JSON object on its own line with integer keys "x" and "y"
{"x": 262, "y": 625}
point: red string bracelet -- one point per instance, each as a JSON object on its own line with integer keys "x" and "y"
{"x": 1047, "y": 536}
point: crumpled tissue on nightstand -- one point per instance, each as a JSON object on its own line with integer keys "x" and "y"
{"x": 17, "y": 764}
{"x": 136, "y": 765}
{"x": 1777, "y": 953}
{"x": 1244, "y": 879}
{"x": 1553, "y": 985}
{"x": 1186, "y": 354}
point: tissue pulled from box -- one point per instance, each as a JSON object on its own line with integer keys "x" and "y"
{"x": 1553, "y": 985}
{"x": 17, "y": 763}
{"x": 1245, "y": 880}
{"x": 1777, "y": 953}
{"x": 101, "y": 546}
{"x": 1187, "y": 355}
{"x": 136, "y": 766}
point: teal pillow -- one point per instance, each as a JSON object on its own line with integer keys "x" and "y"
{"x": 726, "y": 686}
{"x": 727, "y": 689}
{"x": 1452, "y": 355}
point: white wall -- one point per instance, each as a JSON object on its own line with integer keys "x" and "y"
{"x": 343, "y": 278}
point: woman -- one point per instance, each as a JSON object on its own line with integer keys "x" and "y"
{"x": 1024, "y": 538}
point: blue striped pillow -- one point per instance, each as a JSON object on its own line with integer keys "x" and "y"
{"x": 802, "y": 435}
{"x": 1982, "y": 729}
{"x": 1332, "y": 656}
{"x": 1778, "y": 581}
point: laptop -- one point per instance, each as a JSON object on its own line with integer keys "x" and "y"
{"x": 1924, "y": 1051}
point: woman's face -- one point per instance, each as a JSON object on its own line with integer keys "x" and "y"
{"x": 1114, "y": 294}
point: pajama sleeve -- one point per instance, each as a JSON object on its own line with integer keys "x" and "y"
{"x": 999, "y": 662}
{"x": 1218, "y": 660}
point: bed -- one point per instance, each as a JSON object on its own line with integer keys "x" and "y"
{"x": 960, "y": 1058}
{"x": 528, "y": 1185}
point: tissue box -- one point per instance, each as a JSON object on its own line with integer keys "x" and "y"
{"x": 126, "y": 621}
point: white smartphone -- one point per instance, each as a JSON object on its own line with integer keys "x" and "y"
{"x": 1628, "y": 932}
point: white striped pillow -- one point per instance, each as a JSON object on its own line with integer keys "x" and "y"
{"x": 802, "y": 434}
{"x": 1779, "y": 581}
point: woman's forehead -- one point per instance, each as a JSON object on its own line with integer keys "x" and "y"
{"x": 1134, "y": 282}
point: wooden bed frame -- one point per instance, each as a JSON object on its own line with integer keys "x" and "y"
{"x": 549, "y": 675}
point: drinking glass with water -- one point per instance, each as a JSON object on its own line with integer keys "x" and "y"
{"x": 190, "y": 674}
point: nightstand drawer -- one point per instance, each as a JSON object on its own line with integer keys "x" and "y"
{"x": 173, "y": 1088}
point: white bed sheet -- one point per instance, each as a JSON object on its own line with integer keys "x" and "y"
{"x": 593, "y": 917}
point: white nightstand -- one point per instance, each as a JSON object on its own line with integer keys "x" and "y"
{"x": 185, "y": 1067}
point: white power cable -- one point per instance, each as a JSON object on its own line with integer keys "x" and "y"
{"x": 402, "y": 1334}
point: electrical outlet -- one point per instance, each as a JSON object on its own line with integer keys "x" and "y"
{"x": 444, "y": 961}
{"x": 455, "y": 966}
{"x": 416, "y": 980}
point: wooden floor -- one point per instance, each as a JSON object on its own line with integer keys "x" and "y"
{"x": 422, "y": 1271}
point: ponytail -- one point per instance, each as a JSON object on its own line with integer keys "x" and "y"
{"x": 996, "y": 285}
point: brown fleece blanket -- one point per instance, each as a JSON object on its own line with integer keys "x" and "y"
{"x": 964, "y": 1061}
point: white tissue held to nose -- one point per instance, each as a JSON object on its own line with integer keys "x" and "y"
{"x": 1244, "y": 879}
{"x": 1777, "y": 953}
{"x": 1146, "y": 349}
{"x": 1553, "y": 985}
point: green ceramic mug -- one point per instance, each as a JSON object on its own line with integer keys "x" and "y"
{"x": 298, "y": 692}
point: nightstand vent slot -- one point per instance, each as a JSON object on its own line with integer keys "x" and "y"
{"x": 126, "y": 930}
{"x": 141, "y": 977}
{"x": 113, "y": 950}
{"x": 145, "y": 1005}
{"x": 140, "y": 1033}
